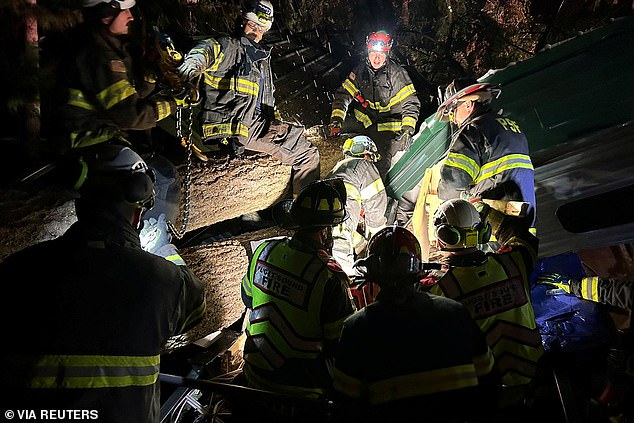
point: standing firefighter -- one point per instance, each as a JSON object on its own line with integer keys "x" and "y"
{"x": 108, "y": 95}
{"x": 100, "y": 308}
{"x": 238, "y": 107}
{"x": 366, "y": 194}
{"x": 488, "y": 157}
{"x": 298, "y": 296}
{"x": 381, "y": 97}
{"x": 411, "y": 353}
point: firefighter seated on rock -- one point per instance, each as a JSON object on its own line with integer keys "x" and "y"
{"x": 238, "y": 107}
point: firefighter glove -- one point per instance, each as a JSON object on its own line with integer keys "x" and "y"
{"x": 192, "y": 66}
{"x": 557, "y": 284}
{"x": 335, "y": 128}
{"x": 187, "y": 97}
{"x": 154, "y": 234}
{"x": 404, "y": 140}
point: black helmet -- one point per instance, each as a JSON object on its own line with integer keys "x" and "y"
{"x": 464, "y": 89}
{"x": 394, "y": 254}
{"x": 320, "y": 204}
{"x": 112, "y": 173}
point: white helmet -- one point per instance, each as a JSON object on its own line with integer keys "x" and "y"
{"x": 459, "y": 225}
{"x": 360, "y": 146}
{"x": 260, "y": 13}
{"x": 116, "y": 4}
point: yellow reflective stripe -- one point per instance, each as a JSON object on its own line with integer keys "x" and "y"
{"x": 400, "y": 96}
{"x": 510, "y": 161}
{"x": 338, "y": 113}
{"x": 176, "y": 259}
{"x": 363, "y": 118}
{"x": 238, "y": 84}
{"x": 484, "y": 363}
{"x": 373, "y": 189}
{"x": 246, "y": 285}
{"x": 269, "y": 314}
{"x": 408, "y": 121}
{"x": 389, "y": 126}
{"x": 463, "y": 162}
{"x": 225, "y": 129}
{"x": 218, "y": 56}
{"x": 349, "y": 86}
{"x": 423, "y": 383}
{"x": 76, "y": 98}
{"x": 93, "y": 371}
{"x": 357, "y": 238}
{"x": 86, "y": 139}
{"x": 116, "y": 93}
{"x": 258, "y": 382}
{"x": 347, "y": 385}
{"x": 352, "y": 192}
{"x": 405, "y": 92}
{"x": 590, "y": 288}
{"x": 163, "y": 109}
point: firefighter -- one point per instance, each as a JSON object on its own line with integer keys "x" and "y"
{"x": 238, "y": 106}
{"x": 493, "y": 287}
{"x": 99, "y": 309}
{"x": 488, "y": 156}
{"x": 297, "y": 296}
{"x": 109, "y": 96}
{"x": 380, "y": 95}
{"x": 365, "y": 194}
{"x": 411, "y": 353}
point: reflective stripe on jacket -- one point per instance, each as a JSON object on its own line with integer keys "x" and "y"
{"x": 298, "y": 300}
{"x": 238, "y": 85}
{"x": 390, "y": 99}
{"x": 104, "y": 97}
{"x": 488, "y": 158}
{"x": 497, "y": 296}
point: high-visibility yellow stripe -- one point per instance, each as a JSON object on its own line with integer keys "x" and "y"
{"x": 349, "y": 86}
{"x": 373, "y": 189}
{"x": 510, "y": 161}
{"x": 238, "y": 84}
{"x": 352, "y": 192}
{"x": 348, "y": 385}
{"x": 90, "y": 371}
{"x": 163, "y": 109}
{"x": 398, "y": 97}
{"x": 76, "y": 98}
{"x": 363, "y": 118}
{"x": 484, "y": 363}
{"x": 389, "y": 126}
{"x": 408, "y": 121}
{"x": 115, "y": 93}
{"x": 338, "y": 113}
{"x": 463, "y": 162}
{"x": 225, "y": 129}
{"x": 590, "y": 288}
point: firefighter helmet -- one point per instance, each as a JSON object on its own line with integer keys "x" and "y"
{"x": 110, "y": 173}
{"x": 359, "y": 146}
{"x": 261, "y": 13}
{"x": 115, "y": 4}
{"x": 458, "y": 225}
{"x": 394, "y": 253}
{"x": 379, "y": 41}
{"x": 320, "y": 204}
{"x": 465, "y": 89}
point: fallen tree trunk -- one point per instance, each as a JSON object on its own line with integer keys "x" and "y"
{"x": 221, "y": 189}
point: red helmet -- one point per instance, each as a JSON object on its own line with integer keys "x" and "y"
{"x": 379, "y": 41}
{"x": 394, "y": 252}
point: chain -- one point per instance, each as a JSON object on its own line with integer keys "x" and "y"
{"x": 187, "y": 139}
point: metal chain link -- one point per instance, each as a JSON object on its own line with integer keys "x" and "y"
{"x": 187, "y": 138}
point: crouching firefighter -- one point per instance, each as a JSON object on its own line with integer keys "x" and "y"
{"x": 365, "y": 195}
